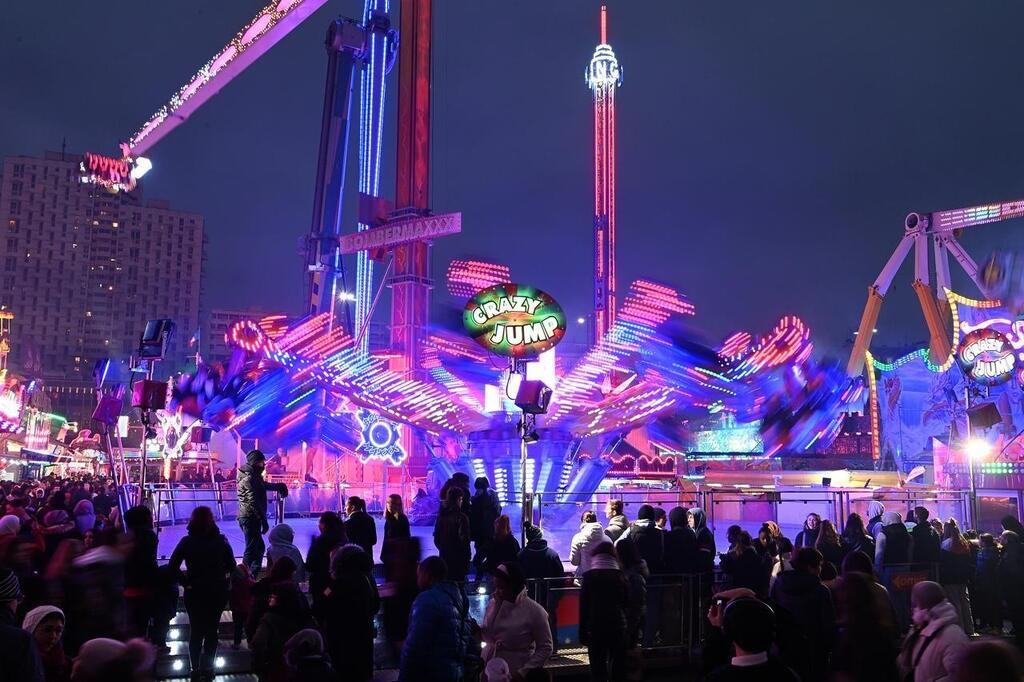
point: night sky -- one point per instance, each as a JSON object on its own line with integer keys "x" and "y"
{"x": 768, "y": 152}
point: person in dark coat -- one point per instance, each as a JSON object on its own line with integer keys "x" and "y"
{"x": 360, "y": 527}
{"x": 541, "y": 567}
{"x": 208, "y": 563}
{"x": 348, "y": 611}
{"x": 306, "y": 659}
{"x": 604, "y": 627}
{"x": 648, "y": 538}
{"x": 1010, "y": 522}
{"x": 808, "y": 536}
{"x": 484, "y": 510}
{"x": 809, "y": 623}
{"x": 19, "y": 659}
{"x": 742, "y": 566}
{"x": 1011, "y": 581}
{"x": 926, "y": 540}
{"x": 634, "y": 567}
{"x": 451, "y": 535}
{"x": 856, "y": 538}
{"x": 749, "y": 625}
{"x": 505, "y": 548}
{"x": 829, "y": 544}
{"x": 439, "y": 631}
{"x": 283, "y": 571}
{"x": 318, "y": 559}
{"x": 252, "y": 507}
{"x": 537, "y": 560}
{"x": 287, "y": 614}
{"x": 866, "y": 636}
{"x": 704, "y": 566}
{"x": 985, "y": 597}
{"x": 396, "y": 529}
{"x": 140, "y": 570}
{"x": 461, "y": 481}
{"x": 680, "y": 544}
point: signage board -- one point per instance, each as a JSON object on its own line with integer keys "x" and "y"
{"x": 402, "y": 231}
{"x": 987, "y": 356}
{"x": 117, "y": 175}
{"x": 514, "y": 320}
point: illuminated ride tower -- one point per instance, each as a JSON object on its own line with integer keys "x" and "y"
{"x": 604, "y": 75}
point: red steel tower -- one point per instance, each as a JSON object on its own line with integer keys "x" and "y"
{"x": 604, "y": 75}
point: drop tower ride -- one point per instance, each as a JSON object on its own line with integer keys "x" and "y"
{"x": 603, "y": 76}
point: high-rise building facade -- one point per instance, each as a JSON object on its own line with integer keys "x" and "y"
{"x": 83, "y": 269}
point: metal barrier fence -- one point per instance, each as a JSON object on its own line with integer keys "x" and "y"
{"x": 674, "y": 611}
{"x": 171, "y": 503}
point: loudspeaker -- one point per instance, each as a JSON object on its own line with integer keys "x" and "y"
{"x": 984, "y": 415}
{"x": 108, "y": 409}
{"x": 149, "y": 395}
{"x": 826, "y": 482}
{"x": 533, "y": 397}
{"x": 153, "y": 342}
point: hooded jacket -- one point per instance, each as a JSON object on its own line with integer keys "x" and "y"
{"x": 705, "y": 542}
{"x": 875, "y": 511}
{"x": 930, "y": 652}
{"x": 252, "y": 490}
{"x": 808, "y": 608}
{"x": 540, "y": 561}
{"x": 893, "y": 544}
{"x": 617, "y": 525}
{"x": 588, "y": 537}
{"x": 650, "y": 541}
{"x": 438, "y": 636}
{"x": 282, "y": 539}
{"x": 517, "y": 630}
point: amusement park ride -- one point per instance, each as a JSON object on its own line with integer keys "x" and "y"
{"x": 315, "y": 376}
{"x": 939, "y": 229}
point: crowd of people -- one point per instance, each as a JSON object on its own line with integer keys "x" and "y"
{"x": 83, "y": 597}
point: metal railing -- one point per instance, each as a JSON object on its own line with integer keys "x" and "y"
{"x": 171, "y": 503}
{"x": 674, "y": 611}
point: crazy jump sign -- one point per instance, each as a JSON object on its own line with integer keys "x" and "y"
{"x": 991, "y": 342}
{"x": 514, "y": 320}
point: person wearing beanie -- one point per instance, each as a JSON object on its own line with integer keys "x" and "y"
{"x": 19, "y": 659}
{"x": 540, "y": 564}
{"x": 537, "y": 559}
{"x": 102, "y": 659}
{"x": 647, "y": 537}
{"x": 46, "y": 625}
{"x": 484, "y": 510}
{"x": 252, "y": 507}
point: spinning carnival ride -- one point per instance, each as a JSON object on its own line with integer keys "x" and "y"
{"x": 314, "y": 379}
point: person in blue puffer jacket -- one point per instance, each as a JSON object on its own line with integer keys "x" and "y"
{"x": 439, "y": 631}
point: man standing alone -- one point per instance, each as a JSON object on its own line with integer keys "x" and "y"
{"x": 252, "y": 507}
